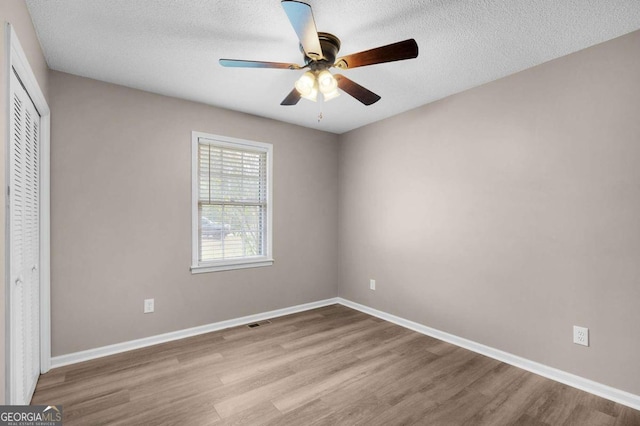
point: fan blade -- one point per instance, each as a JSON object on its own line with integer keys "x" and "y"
{"x": 362, "y": 94}
{"x": 238, "y": 63}
{"x": 292, "y": 98}
{"x": 407, "y": 49}
{"x": 301, "y": 18}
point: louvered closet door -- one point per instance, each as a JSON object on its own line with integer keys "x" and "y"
{"x": 24, "y": 244}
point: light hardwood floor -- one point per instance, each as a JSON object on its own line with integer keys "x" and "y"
{"x": 328, "y": 366}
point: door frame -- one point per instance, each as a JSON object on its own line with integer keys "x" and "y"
{"x": 16, "y": 59}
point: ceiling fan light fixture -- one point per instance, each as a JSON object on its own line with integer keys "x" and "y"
{"x": 320, "y": 50}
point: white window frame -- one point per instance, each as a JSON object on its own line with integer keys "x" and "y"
{"x": 228, "y": 264}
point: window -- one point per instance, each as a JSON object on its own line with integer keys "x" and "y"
{"x": 231, "y": 181}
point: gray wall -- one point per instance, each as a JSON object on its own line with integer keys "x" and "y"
{"x": 121, "y": 216}
{"x": 509, "y": 213}
{"x": 14, "y": 12}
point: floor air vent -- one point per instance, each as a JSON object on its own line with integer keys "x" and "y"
{"x": 258, "y": 324}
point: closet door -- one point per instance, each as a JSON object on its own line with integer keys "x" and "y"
{"x": 24, "y": 244}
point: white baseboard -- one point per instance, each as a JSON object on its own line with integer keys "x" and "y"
{"x": 604, "y": 391}
{"x": 89, "y": 354}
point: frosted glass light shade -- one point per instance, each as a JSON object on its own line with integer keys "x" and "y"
{"x": 327, "y": 82}
{"x": 305, "y": 84}
{"x": 328, "y": 96}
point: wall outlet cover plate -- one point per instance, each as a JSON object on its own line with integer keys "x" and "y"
{"x": 149, "y": 306}
{"x": 580, "y": 335}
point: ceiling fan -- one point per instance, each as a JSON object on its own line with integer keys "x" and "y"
{"x": 320, "y": 51}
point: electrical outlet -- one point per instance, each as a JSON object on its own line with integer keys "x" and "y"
{"x": 148, "y": 306}
{"x": 372, "y": 284}
{"x": 580, "y": 335}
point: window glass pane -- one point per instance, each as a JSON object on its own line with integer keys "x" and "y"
{"x": 228, "y": 232}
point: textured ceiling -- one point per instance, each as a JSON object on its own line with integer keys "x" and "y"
{"x": 172, "y": 47}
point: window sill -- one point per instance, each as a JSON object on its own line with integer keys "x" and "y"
{"x": 228, "y": 266}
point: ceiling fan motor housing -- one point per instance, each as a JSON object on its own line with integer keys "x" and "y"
{"x": 330, "y": 46}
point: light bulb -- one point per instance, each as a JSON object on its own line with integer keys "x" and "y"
{"x": 327, "y": 82}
